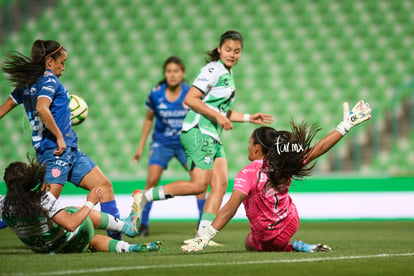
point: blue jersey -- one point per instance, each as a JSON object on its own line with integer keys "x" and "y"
{"x": 169, "y": 116}
{"x": 48, "y": 85}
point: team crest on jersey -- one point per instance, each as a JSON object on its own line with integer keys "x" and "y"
{"x": 56, "y": 172}
{"x": 207, "y": 159}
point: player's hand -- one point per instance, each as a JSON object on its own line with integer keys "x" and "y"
{"x": 224, "y": 122}
{"x": 61, "y": 146}
{"x": 360, "y": 113}
{"x": 261, "y": 119}
{"x": 195, "y": 245}
{"x": 137, "y": 156}
{"x": 204, "y": 236}
{"x": 95, "y": 195}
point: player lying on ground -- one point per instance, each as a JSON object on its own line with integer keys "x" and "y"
{"x": 263, "y": 185}
{"x": 44, "y": 226}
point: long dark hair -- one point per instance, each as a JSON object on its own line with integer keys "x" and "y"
{"x": 172, "y": 59}
{"x": 214, "y": 55}
{"x": 24, "y": 71}
{"x": 24, "y": 189}
{"x": 285, "y": 152}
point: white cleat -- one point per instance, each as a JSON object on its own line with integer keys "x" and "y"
{"x": 139, "y": 201}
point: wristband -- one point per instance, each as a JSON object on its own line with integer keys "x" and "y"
{"x": 89, "y": 204}
{"x": 246, "y": 117}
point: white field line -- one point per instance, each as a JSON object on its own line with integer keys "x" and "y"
{"x": 160, "y": 266}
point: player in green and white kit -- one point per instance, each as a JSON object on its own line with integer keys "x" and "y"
{"x": 44, "y": 226}
{"x": 209, "y": 98}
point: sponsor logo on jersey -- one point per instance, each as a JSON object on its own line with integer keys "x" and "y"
{"x": 162, "y": 106}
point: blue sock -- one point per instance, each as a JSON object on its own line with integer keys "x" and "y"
{"x": 2, "y": 224}
{"x": 145, "y": 214}
{"x": 111, "y": 208}
{"x": 200, "y": 205}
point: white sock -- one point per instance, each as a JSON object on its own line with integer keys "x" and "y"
{"x": 122, "y": 246}
{"x": 115, "y": 224}
{"x": 156, "y": 193}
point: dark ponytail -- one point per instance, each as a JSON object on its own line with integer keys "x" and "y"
{"x": 24, "y": 71}
{"x": 284, "y": 153}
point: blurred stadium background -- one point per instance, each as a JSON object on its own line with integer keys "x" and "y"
{"x": 301, "y": 60}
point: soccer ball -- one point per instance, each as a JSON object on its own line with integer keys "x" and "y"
{"x": 78, "y": 109}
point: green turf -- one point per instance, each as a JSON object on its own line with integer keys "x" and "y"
{"x": 360, "y": 248}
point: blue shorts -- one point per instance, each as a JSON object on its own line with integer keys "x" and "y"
{"x": 71, "y": 166}
{"x": 162, "y": 154}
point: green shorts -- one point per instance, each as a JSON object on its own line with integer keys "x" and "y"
{"x": 200, "y": 149}
{"x": 80, "y": 241}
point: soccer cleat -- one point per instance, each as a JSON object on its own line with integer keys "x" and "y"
{"x": 130, "y": 225}
{"x": 155, "y": 246}
{"x": 300, "y": 246}
{"x": 143, "y": 230}
{"x": 139, "y": 201}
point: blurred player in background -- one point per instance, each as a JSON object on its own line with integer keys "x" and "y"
{"x": 46, "y": 102}
{"x": 209, "y": 99}
{"x": 263, "y": 185}
{"x": 44, "y": 226}
{"x": 166, "y": 103}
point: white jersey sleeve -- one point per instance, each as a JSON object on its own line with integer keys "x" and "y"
{"x": 208, "y": 77}
{"x": 51, "y": 204}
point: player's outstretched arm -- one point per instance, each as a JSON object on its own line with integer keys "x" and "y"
{"x": 72, "y": 221}
{"x": 360, "y": 113}
{"x": 256, "y": 118}
{"x": 6, "y": 107}
{"x": 223, "y": 217}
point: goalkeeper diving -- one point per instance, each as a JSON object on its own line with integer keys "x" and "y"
{"x": 277, "y": 157}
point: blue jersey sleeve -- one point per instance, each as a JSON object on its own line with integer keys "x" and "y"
{"x": 48, "y": 86}
{"x": 150, "y": 104}
{"x": 17, "y": 96}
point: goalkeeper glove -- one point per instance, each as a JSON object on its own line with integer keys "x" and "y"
{"x": 200, "y": 242}
{"x": 360, "y": 113}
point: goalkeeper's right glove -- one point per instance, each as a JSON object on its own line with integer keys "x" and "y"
{"x": 200, "y": 242}
{"x": 360, "y": 113}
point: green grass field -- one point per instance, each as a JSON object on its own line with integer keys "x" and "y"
{"x": 359, "y": 248}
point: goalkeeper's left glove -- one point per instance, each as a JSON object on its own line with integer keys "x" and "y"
{"x": 200, "y": 242}
{"x": 359, "y": 113}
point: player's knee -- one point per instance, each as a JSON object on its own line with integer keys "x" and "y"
{"x": 219, "y": 187}
{"x": 107, "y": 186}
{"x": 151, "y": 182}
{"x": 200, "y": 187}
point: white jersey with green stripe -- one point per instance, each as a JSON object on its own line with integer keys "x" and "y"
{"x": 42, "y": 235}
{"x": 217, "y": 84}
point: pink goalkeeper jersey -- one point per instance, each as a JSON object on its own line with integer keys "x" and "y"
{"x": 267, "y": 211}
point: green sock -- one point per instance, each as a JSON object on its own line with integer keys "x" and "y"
{"x": 112, "y": 245}
{"x": 104, "y": 221}
{"x": 208, "y": 216}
